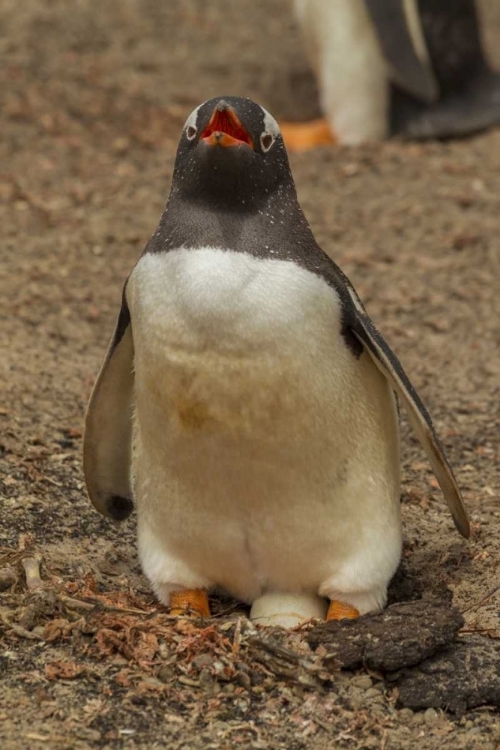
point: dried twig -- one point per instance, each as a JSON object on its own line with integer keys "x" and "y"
{"x": 45, "y": 737}
{"x": 91, "y": 604}
{"x": 482, "y": 601}
{"x": 24, "y": 633}
{"x": 475, "y": 631}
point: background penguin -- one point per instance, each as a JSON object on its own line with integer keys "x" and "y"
{"x": 246, "y": 400}
{"x": 414, "y": 68}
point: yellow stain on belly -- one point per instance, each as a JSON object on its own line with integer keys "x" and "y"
{"x": 192, "y": 414}
{"x": 208, "y": 393}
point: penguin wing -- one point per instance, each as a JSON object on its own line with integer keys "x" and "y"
{"x": 107, "y": 441}
{"x": 403, "y": 45}
{"x": 387, "y": 362}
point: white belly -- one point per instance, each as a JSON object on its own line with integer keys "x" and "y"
{"x": 352, "y": 73}
{"x": 266, "y": 455}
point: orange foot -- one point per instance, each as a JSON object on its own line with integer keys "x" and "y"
{"x": 302, "y": 136}
{"x": 341, "y": 611}
{"x": 189, "y": 601}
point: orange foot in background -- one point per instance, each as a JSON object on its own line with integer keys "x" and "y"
{"x": 341, "y": 611}
{"x": 189, "y": 601}
{"x": 302, "y": 136}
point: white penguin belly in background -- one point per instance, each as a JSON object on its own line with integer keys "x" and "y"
{"x": 266, "y": 456}
{"x": 352, "y": 74}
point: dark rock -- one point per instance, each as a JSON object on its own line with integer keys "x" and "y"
{"x": 461, "y": 676}
{"x": 8, "y": 577}
{"x": 400, "y": 636}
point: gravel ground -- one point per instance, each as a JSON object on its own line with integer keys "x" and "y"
{"x": 92, "y": 105}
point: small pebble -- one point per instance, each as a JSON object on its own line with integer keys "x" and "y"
{"x": 373, "y": 692}
{"x": 203, "y": 660}
{"x": 430, "y": 716}
{"x": 206, "y": 679}
{"x": 8, "y": 577}
{"x": 165, "y": 674}
{"x": 405, "y": 715}
{"x": 356, "y": 703}
{"x": 362, "y": 681}
{"x": 164, "y": 651}
{"x": 244, "y": 680}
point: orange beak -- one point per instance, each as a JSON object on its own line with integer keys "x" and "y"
{"x": 225, "y": 129}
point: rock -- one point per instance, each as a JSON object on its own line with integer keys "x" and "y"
{"x": 401, "y": 636}
{"x": 430, "y": 716}
{"x": 460, "y": 677}
{"x": 405, "y": 715}
{"x": 202, "y": 660}
{"x": 373, "y": 693}
{"x": 363, "y": 681}
{"x": 356, "y": 702}
{"x": 166, "y": 673}
{"x": 8, "y": 577}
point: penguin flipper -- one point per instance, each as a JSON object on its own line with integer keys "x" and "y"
{"x": 400, "y": 35}
{"x": 387, "y": 362}
{"x": 107, "y": 441}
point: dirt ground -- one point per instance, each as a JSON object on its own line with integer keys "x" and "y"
{"x": 93, "y": 99}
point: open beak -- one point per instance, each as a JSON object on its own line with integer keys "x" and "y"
{"x": 225, "y": 129}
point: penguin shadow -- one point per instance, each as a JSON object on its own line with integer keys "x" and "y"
{"x": 423, "y": 574}
{"x": 410, "y": 584}
{"x": 225, "y": 607}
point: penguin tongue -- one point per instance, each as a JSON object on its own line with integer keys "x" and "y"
{"x": 225, "y": 129}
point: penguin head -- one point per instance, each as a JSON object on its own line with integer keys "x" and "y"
{"x": 231, "y": 150}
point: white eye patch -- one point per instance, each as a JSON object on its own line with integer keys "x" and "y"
{"x": 270, "y": 124}
{"x": 271, "y": 131}
{"x": 190, "y": 125}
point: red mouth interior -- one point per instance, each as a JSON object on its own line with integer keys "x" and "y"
{"x": 227, "y": 122}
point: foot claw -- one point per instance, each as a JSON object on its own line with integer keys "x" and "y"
{"x": 193, "y": 601}
{"x": 340, "y": 611}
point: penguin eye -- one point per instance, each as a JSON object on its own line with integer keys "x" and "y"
{"x": 191, "y": 132}
{"x": 266, "y": 141}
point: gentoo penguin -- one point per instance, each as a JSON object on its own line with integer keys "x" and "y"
{"x": 246, "y": 403}
{"x": 414, "y": 68}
